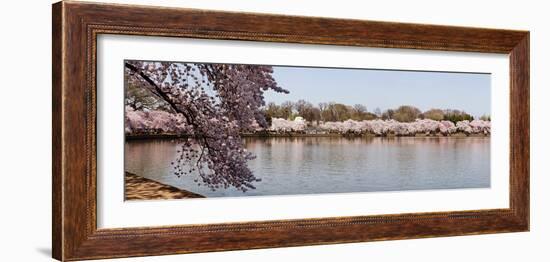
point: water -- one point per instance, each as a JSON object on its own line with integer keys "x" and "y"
{"x": 312, "y": 165}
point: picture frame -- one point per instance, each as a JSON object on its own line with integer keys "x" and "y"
{"x": 75, "y": 29}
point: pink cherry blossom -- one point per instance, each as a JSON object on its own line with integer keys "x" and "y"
{"x": 217, "y": 102}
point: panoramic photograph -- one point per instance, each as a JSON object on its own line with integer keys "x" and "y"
{"x": 203, "y": 130}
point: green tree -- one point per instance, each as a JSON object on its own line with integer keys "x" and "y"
{"x": 455, "y": 116}
{"x": 388, "y": 114}
{"x": 406, "y": 114}
{"x": 434, "y": 114}
{"x": 307, "y": 110}
{"x": 285, "y": 110}
{"x": 485, "y": 117}
{"x": 139, "y": 98}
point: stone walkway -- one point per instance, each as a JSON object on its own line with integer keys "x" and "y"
{"x": 140, "y": 188}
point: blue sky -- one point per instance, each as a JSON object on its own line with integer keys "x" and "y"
{"x": 385, "y": 88}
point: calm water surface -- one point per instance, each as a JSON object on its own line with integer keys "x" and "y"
{"x": 311, "y": 165}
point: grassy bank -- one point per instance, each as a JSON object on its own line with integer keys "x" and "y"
{"x": 140, "y": 188}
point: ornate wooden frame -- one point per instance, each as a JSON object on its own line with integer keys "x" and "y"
{"x": 76, "y": 26}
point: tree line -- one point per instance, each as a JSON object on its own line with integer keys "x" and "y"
{"x": 335, "y": 112}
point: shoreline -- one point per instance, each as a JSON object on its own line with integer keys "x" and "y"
{"x": 140, "y": 188}
{"x": 268, "y": 135}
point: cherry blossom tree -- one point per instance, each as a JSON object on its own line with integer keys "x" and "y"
{"x": 381, "y": 127}
{"x": 464, "y": 126}
{"x": 447, "y": 127}
{"x": 280, "y": 125}
{"x": 217, "y": 102}
{"x": 153, "y": 122}
{"x": 481, "y": 126}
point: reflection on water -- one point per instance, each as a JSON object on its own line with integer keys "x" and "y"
{"x": 305, "y": 165}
